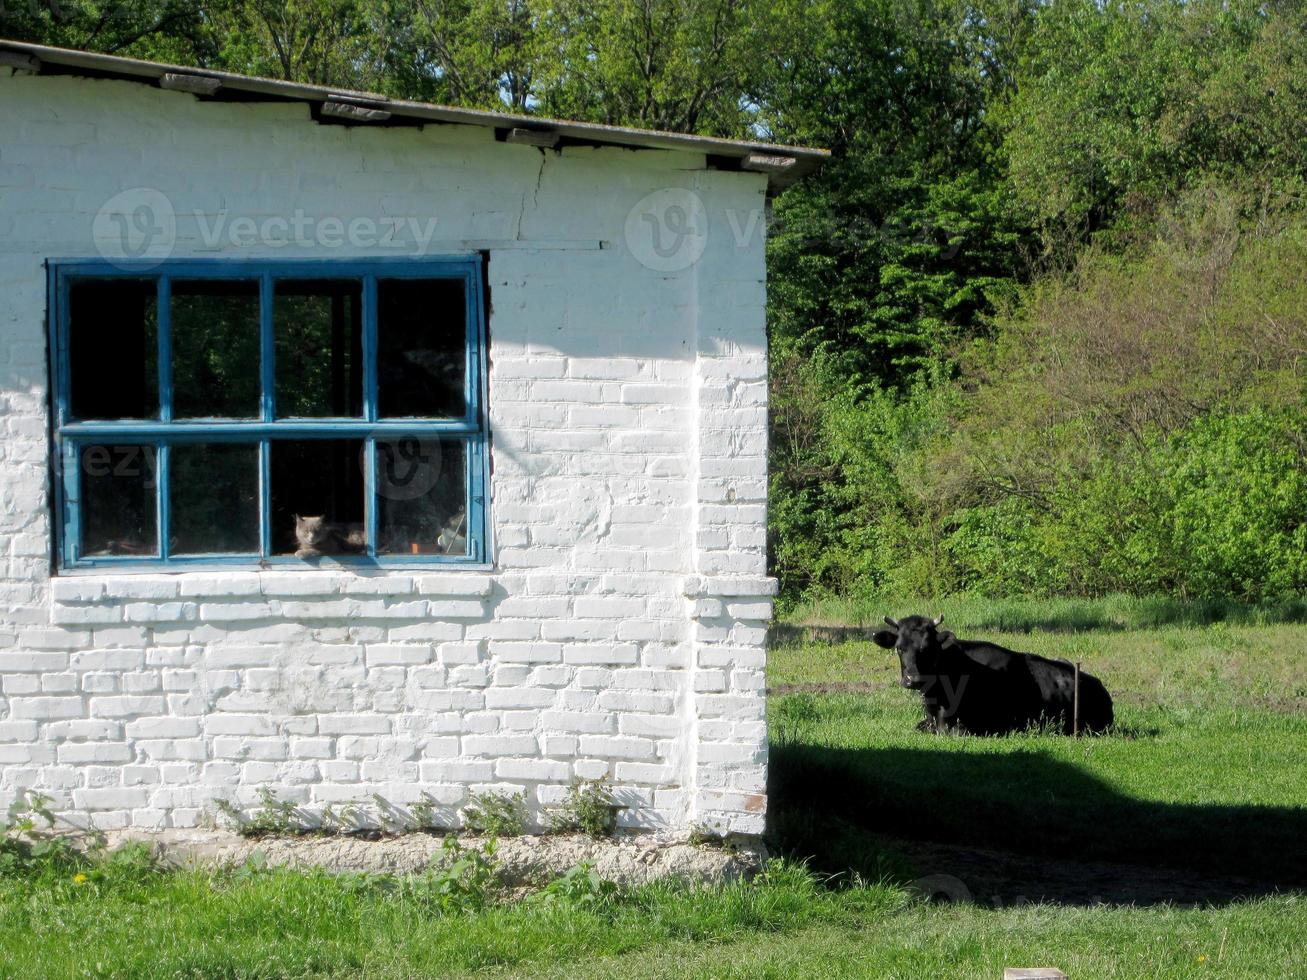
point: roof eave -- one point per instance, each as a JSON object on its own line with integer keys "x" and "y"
{"x": 766, "y": 158}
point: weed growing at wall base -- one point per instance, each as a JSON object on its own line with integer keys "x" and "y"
{"x": 28, "y": 843}
{"x": 590, "y": 807}
{"x": 496, "y": 814}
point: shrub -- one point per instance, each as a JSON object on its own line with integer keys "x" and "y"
{"x": 30, "y": 847}
{"x": 704, "y": 835}
{"x": 1214, "y": 511}
{"x": 1237, "y": 494}
{"x": 1134, "y": 425}
{"x": 424, "y": 814}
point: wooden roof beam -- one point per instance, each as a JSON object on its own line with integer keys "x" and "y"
{"x": 765, "y": 164}
{"x": 19, "y": 61}
{"x": 195, "y": 84}
{"x": 354, "y": 111}
{"x": 532, "y": 137}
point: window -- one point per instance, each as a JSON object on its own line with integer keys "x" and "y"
{"x": 301, "y": 413}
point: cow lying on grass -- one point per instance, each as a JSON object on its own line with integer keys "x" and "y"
{"x": 984, "y": 689}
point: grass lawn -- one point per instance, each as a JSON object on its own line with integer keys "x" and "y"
{"x": 1205, "y": 779}
{"x": 277, "y": 924}
{"x": 1206, "y": 773}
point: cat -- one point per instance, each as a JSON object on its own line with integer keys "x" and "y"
{"x": 319, "y": 536}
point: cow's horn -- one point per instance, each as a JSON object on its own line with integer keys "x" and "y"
{"x": 938, "y": 620}
{"x": 891, "y": 622}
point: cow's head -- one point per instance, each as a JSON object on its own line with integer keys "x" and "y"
{"x": 919, "y": 642}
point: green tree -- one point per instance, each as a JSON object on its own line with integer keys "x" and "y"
{"x": 320, "y": 42}
{"x": 1121, "y": 105}
{"x": 881, "y": 264}
{"x": 679, "y": 65}
{"x": 167, "y": 30}
{"x": 487, "y": 54}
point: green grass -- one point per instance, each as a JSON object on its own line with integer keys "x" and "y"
{"x": 1206, "y": 775}
{"x": 1221, "y": 665}
{"x": 282, "y": 923}
{"x": 1203, "y": 773}
{"x": 1025, "y": 614}
{"x": 1253, "y": 940}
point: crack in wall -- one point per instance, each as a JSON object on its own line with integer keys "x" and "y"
{"x": 535, "y": 194}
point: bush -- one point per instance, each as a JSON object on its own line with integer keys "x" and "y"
{"x": 582, "y": 887}
{"x": 1135, "y": 426}
{"x": 1216, "y": 511}
{"x": 1237, "y": 494}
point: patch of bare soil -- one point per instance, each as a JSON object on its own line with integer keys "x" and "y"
{"x": 1002, "y": 878}
{"x": 818, "y": 633}
{"x": 831, "y": 687}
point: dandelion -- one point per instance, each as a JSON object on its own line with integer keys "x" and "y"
{"x": 79, "y": 878}
{"x": 1202, "y": 957}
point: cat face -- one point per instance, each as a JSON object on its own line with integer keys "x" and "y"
{"x": 310, "y": 531}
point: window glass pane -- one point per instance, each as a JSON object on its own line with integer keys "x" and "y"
{"x": 118, "y": 500}
{"x": 214, "y": 499}
{"x": 421, "y": 497}
{"x": 318, "y": 326}
{"x": 113, "y": 341}
{"x": 215, "y": 349}
{"x": 421, "y": 348}
{"x": 317, "y": 497}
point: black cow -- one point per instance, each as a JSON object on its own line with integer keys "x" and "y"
{"x": 981, "y": 688}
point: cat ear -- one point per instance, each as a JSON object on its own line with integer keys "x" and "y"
{"x": 297, "y": 517}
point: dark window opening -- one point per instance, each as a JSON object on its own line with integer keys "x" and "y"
{"x": 318, "y": 326}
{"x": 215, "y": 349}
{"x": 118, "y": 501}
{"x": 421, "y": 348}
{"x": 235, "y": 412}
{"x": 317, "y": 497}
{"x": 214, "y": 490}
{"x": 421, "y": 497}
{"x": 113, "y": 339}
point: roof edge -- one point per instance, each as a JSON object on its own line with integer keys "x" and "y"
{"x": 782, "y": 165}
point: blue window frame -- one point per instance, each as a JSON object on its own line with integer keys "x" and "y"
{"x": 301, "y": 413}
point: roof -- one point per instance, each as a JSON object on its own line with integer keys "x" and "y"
{"x": 782, "y": 164}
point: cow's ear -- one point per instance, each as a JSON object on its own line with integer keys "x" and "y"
{"x": 885, "y": 638}
{"x": 945, "y": 637}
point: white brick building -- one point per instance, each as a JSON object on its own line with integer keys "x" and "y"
{"x": 542, "y": 542}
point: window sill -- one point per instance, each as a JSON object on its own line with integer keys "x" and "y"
{"x": 95, "y": 597}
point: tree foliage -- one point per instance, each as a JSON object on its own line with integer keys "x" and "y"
{"x": 1037, "y": 326}
{"x": 1123, "y": 104}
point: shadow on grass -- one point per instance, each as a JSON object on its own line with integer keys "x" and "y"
{"x": 1122, "y": 613}
{"x": 836, "y": 620}
{"x": 1023, "y": 824}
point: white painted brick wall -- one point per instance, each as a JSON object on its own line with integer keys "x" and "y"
{"x": 619, "y": 630}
